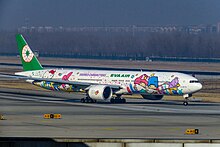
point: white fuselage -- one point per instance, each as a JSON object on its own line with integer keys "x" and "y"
{"x": 131, "y": 82}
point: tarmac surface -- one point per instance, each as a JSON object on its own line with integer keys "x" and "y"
{"x": 23, "y": 111}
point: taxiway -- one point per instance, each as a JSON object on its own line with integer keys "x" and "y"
{"x": 139, "y": 118}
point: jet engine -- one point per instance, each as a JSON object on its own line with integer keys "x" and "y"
{"x": 100, "y": 92}
{"x": 152, "y": 97}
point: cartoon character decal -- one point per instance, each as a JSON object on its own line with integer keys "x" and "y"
{"x": 49, "y": 74}
{"x": 171, "y": 87}
{"x": 142, "y": 81}
{"x": 151, "y": 85}
{"x": 56, "y": 86}
{"x": 142, "y": 84}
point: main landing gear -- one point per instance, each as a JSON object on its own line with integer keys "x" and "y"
{"x": 87, "y": 100}
{"x": 113, "y": 100}
{"x": 186, "y": 97}
{"x": 117, "y": 99}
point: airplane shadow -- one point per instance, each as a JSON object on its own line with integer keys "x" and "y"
{"x": 179, "y": 103}
{"x": 66, "y": 99}
{"x": 176, "y": 103}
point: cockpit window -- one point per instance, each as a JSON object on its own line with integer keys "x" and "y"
{"x": 193, "y": 81}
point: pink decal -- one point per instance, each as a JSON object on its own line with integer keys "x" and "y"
{"x": 142, "y": 79}
{"x": 52, "y": 71}
{"x": 66, "y": 78}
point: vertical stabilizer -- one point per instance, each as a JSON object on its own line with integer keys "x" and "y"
{"x": 28, "y": 59}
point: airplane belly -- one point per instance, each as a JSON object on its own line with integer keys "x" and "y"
{"x": 56, "y": 86}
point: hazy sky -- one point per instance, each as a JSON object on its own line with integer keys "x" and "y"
{"x": 107, "y": 12}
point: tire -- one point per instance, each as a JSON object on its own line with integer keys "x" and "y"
{"x": 123, "y": 100}
{"x": 185, "y": 103}
{"x": 112, "y": 100}
{"x": 90, "y": 100}
{"x": 82, "y": 100}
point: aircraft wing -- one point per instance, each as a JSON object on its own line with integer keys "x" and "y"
{"x": 82, "y": 84}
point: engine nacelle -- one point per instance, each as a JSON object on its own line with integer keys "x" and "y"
{"x": 152, "y": 97}
{"x": 100, "y": 92}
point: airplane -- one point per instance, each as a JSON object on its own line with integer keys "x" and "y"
{"x": 105, "y": 85}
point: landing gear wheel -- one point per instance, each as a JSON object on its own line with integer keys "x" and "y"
{"x": 117, "y": 100}
{"x": 82, "y": 100}
{"x": 186, "y": 97}
{"x": 87, "y": 100}
{"x": 185, "y": 103}
{"x": 112, "y": 100}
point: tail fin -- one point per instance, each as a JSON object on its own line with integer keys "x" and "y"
{"x": 28, "y": 59}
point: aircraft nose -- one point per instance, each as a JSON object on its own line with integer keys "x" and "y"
{"x": 199, "y": 86}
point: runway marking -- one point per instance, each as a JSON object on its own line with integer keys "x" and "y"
{"x": 187, "y": 109}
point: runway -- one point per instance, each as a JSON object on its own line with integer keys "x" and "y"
{"x": 138, "y": 118}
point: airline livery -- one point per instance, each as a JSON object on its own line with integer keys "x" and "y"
{"x": 105, "y": 84}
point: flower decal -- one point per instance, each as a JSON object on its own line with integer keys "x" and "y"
{"x": 27, "y": 54}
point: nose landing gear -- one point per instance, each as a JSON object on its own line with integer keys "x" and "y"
{"x": 185, "y": 103}
{"x": 186, "y": 97}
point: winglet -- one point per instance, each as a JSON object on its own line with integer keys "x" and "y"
{"x": 28, "y": 59}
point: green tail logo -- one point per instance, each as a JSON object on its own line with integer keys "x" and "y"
{"x": 28, "y": 59}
